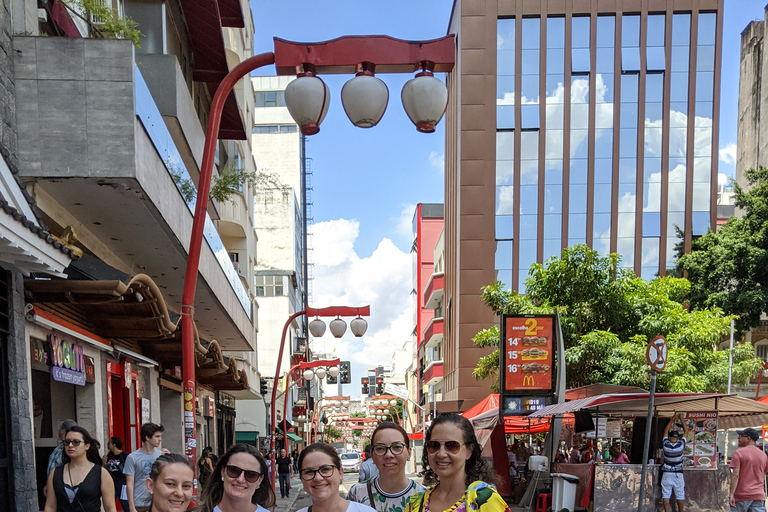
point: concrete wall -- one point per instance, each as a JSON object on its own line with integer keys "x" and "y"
{"x": 172, "y": 418}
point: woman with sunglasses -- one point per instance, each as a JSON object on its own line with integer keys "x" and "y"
{"x": 170, "y": 483}
{"x": 238, "y": 483}
{"x": 321, "y": 475}
{"x": 391, "y": 490}
{"x": 81, "y": 484}
{"x": 458, "y": 477}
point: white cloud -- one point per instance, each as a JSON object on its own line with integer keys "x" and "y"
{"x": 383, "y": 281}
{"x": 437, "y": 160}
{"x": 728, "y": 154}
{"x": 404, "y": 222}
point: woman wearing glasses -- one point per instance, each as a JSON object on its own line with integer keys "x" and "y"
{"x": 81, "y": 484}
{"x": 321, "y": 475}
{"x": 458, "y": 477}
{"x": 391, "y": 490}
{"x": 238, "y": 483}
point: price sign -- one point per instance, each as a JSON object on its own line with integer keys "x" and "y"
{"x": 528, "y": 353}
{"x": 656, "y": 353}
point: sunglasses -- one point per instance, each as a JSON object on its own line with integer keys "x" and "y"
{"x": 450, "y": 446}
{"x": 325, "y": 471}
{"x": 395, "y": 448}
{"x": 73, "y": 442}
{"x": 250, "y": 475}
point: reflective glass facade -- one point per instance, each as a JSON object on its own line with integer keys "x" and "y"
{"x": 604, "y": 136}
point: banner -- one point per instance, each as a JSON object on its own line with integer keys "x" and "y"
{"x": 528, "y": 354}
{"x": 701, "y": 444}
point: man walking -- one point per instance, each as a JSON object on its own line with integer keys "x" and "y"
{"x": 284, "y": 472}
{"x": 672, "y": 480}
{"x": 139, "y": 463}
{"x": 368, "y": 469}
{"x": 748, "y": 468}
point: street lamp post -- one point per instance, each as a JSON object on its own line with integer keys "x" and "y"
{"x": 423, "y": 99}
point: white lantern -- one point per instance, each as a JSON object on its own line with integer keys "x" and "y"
{"x": 338, "y": 327}
{"x": 320, "y": 372}
{"x": 424, "y": 100}
{"x": 317, "y": 328}
{"x": 333, "y": 371}
{"x": 365, "y": 97}
{"x": 308, "y": 374}
{"x": 393, "y": 403}
{"x": 345, "y": 403}
{"x": 358, "y": 326}
{"x": 307, "y": 99}
{"x": 336, "y": 403}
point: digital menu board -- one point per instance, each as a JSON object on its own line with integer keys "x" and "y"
{"x": 525, "y": 404}
{"x": 528, "y": 357}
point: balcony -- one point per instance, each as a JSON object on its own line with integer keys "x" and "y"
{"x": 433, "y": 334}
{"x": 102, "y": 159}
{"x": 233, "y": 217}
{"x": 433, "y": 293}
{"x": 434, "y": 373}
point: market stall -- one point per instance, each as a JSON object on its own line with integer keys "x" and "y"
{"x": 615, "y": 487}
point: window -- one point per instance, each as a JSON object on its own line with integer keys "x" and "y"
{"x": 273, "y": 128}
{"x": 271, "y": 286}
{"x": 269, "y": 98}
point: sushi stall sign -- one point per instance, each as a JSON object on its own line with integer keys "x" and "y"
{"x": 527, "y": 376}
{"x": 701, "y": 446}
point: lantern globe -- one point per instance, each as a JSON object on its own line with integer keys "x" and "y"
{"x": 307, "y": 99}
{"x": 365, "y": 99}
{"x": 338, "y": 327}
{"x": 424, "y": 100}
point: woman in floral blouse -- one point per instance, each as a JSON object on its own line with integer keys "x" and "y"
{"x": 391, "y": 490}
{"x": 458, "y": 477}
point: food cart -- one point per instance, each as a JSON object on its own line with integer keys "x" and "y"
{"x": 616, "y": 487}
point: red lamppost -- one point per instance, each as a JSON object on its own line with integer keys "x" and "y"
{"x": 424, "y": 99}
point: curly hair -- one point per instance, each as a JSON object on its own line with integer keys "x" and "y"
{"x": 476, "y": 467}
{"x": 213, "y": 491}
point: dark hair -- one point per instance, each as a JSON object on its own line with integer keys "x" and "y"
{"x": 117, "y": 442}
{"x": 150, "y": 429}
{"x": 66, "y": 425}
{"x": 390, "y": 424}
{"x": 163, "y": 462}
{"x": 92, "y": 454}
{"x": 213, "y": 491}
{"x": 368, "y": 449}
{"x": 321, "y": 447}
{"x": 476, "y": 467}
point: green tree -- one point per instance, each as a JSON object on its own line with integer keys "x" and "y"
{"x": 609, "y": 316}
{"x": 729, "y": 268}
{"x": 332, "y": 432}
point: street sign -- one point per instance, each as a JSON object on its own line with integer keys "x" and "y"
{"x": 656, "y": 353}
{"x": 399, "y": 391}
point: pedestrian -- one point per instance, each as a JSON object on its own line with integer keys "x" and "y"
{"x": 512, "y": 462}
{"x": 458, "y": 477}
{"x": 138, "y": 466}
{"x": 563, "y": 451}
{"x": 617, "y": 454}
{"x": 54, "y": 459}
{"x": 239, "y": 483}
{"x": 389, "y": 490}
{"x": 170, "y": 483}
{"x": 204, "y": 466}
{"x": 80, "y": 484}
{"x": 575, "y": 455}
{"x": 295, "y": 459}
{"x": 368, "y": 469}
{"x": 522, "y": 455}
{"x": 748, "y": 468}
{"x": 321, "y": 475}
{"x": 672, "y": 479}
{"x": 284, "y": 473}
{"x": 114, "y": 462}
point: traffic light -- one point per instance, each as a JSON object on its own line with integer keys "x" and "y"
{"x": 364, "y": 383}
{"x": 263, "y": 386}
{"x": 330, "y": 379}
{"x": 345, "y": 375}
{"x": 379, "y": 385}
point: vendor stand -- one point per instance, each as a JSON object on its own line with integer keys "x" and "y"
{"x": 615, "y": 487}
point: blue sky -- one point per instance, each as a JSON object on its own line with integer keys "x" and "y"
{"x": 367, "y": 182}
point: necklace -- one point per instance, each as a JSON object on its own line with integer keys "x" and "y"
{"x": 452, "y": 509}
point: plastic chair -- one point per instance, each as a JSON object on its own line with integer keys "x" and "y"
{"x": 543, "y": 502}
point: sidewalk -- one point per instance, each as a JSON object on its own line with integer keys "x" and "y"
{"x": 297, "y": 497}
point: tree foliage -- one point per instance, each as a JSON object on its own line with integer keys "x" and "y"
{"x": 608, "y": 316}
{"x": 104, "y": 21}
{"x": 729, "y": 269}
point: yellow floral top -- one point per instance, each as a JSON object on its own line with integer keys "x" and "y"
{"x": 480, "y": 497}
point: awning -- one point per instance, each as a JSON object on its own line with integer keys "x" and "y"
{"x": 291, "y": 436}
{"x": 248, "y": 436}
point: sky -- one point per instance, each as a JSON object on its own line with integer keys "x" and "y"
{"x": 366, "y": 182}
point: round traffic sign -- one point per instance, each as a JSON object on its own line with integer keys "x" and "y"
{"x": 656, "y": 353}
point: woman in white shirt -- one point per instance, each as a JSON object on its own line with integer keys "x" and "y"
{"x": 321, "y": 475}
{"x": 391, "y": 490}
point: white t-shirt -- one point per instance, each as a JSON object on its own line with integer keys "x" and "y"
{"x": 352, "y": 507}
{"x": 259, "y": 508}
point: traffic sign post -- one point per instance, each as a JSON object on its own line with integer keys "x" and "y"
{"x": 656, "y": 357}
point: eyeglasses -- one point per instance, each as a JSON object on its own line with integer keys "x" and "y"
{"x": 395, "y": 448}
{"x": 325, "y": 471}
{"x": 450, "y": 446}
{"x": 73, "y": 442}
{"x": 250, "y": 475}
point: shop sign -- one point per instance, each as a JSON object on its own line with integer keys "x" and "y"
{"x": 144, "y": 410}
{"x": 67, "y": 361}
{"x": 765, "y": 432}
{"x": 701, "y": 445}
{"x": 525, "y": 404}
{"x": 40, "y": 354}
{"x": 226, "y": 400}
{"x": 127, "y": 373}
{"x": 528, "y": 353}
{"x": 602, "y": 427}
{"x": 90, "y": 370}
{"x": 613, "y": 429}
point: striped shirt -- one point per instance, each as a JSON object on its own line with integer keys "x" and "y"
{"x": 673, "y": 455}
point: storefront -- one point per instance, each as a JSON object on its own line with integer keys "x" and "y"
{"x": 225, "y": 421}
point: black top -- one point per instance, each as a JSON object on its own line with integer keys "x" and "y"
{"x": 88, "y": 495}
{"x": 283, "y": 465}
{"x": 115, "y": 465}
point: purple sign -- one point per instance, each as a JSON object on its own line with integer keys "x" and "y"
{"x": 68, "y": 376}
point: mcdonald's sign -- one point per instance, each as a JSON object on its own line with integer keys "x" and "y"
{"x": 528, "y": 381}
